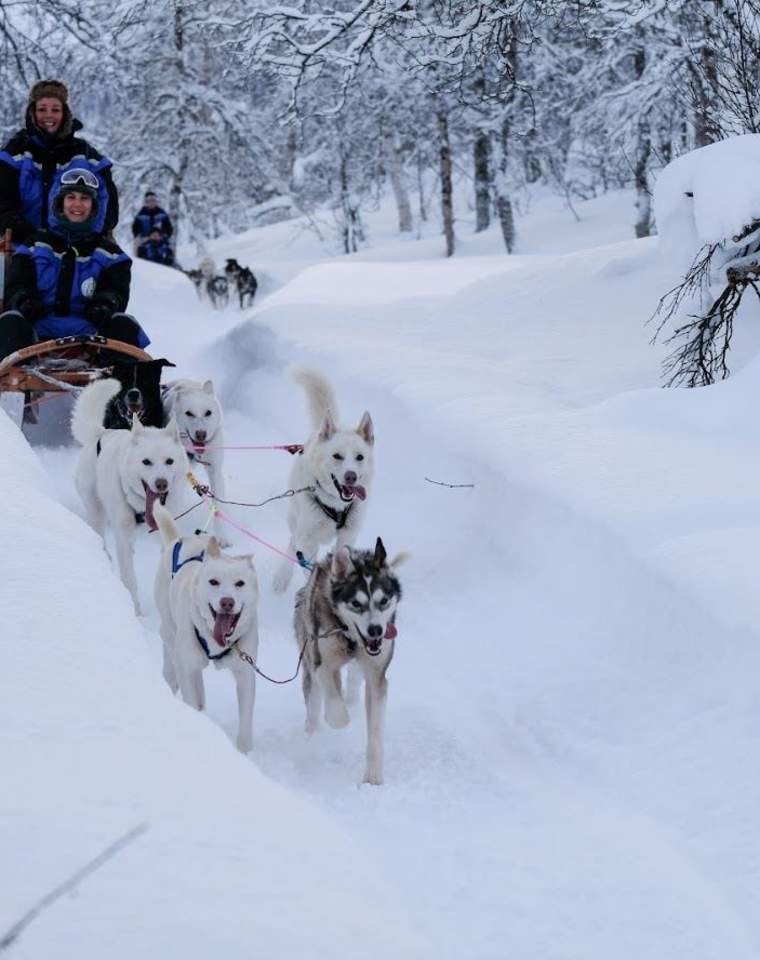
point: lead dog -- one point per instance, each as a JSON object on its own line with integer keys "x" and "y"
{"x": 198, "y": 413}
{"x": 207, "y": 604}
{"x": 346, "y": 614}
{"x": 337, "y": 463}
{"x": 122, "y": 473}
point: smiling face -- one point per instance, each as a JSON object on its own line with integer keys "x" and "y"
{"x": 76, "y": 207}
{"x": 342, "y": 460}
{"x": 48, "y": 114}
{"x": 365, "y": 594}
{"x": 226, "y": 594}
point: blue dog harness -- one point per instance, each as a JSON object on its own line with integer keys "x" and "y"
{"x": 177, "y": 565}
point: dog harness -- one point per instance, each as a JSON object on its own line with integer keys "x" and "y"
{"x": 177, "y": 565}
{"x": 338, "y": 517}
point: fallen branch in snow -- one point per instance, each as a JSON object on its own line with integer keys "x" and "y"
{"x": 15, "y": 931}
{"x": 454, "y": 486}
{"x": 701, "y": 357}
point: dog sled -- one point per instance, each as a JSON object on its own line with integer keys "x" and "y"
{"x": 65, "y": 365}
{"x": 51, "y": 367}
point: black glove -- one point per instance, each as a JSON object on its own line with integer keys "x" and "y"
{"x": 30, "y": 309}
{"x": 98, "y": 313}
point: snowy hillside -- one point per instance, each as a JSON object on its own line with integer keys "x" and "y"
{"x": 573, "y": 713}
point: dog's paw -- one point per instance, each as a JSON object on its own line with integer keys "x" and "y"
{"x": 336, "y": 714}
{"x": 373, "y": 777}
{"x": 245, "y": 744}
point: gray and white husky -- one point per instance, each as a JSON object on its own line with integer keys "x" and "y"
{"x": 338, "y": 464}
{"x": 345, "y": 615}
{"x": 207, "y": 602}
{"x": 121, "y": 474}
{"x": 198, "y": 413}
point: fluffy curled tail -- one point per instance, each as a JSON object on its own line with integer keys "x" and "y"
{"x": 90, "y": 408}
{"x": 169, "y": 532}
{"x": 319, "y": 395}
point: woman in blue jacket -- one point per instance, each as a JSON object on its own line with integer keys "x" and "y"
{"x": 31, "y": 159}
{"x": 69, "y": 280}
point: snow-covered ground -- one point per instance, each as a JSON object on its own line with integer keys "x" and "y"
{"x": 574, "y": 706}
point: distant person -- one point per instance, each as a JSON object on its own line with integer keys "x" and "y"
{"x": 152, "y": 230}
{"x": 31, "y": 159}
{"x": 69, "y": 280}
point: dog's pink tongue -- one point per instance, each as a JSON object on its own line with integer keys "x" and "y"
{"x": 359, "y": 491}
{"x": 391, "y": 632}
{"x": 223, "y": 627}
{"x": 150, "y": 498}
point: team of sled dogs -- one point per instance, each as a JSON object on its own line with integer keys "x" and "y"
{"x": 138, "y": 439}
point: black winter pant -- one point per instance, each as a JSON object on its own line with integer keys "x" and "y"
{"x": 17, "y": 332}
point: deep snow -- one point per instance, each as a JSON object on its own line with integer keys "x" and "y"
{"x": 573, "y": 714}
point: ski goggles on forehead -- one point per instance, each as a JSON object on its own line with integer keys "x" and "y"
{"x": 80, "y": 175}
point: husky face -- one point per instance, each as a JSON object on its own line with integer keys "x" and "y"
{"x": 341, "y": 460}
{"x": 155, "y": 461}
{"x": 198, "y": 414}
{"x": 365, "y": 593}
{"x": 226, "y": 594}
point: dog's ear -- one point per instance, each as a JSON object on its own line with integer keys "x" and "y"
{"x": 400, "y": 558}
{"x": 212, "y": 548}
{"x": 137, "y": 427}
{"x": 163, "y": 362}
{"x": 380, "y": 554}
{"x": 366, "y": 429}
{"x": 208, "y": 387}
{"x": 341, "y": 563}
{"x": 328, "y": 427}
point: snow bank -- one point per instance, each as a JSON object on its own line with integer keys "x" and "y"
{"x": 723, "y": 180}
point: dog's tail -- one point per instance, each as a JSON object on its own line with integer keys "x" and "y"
{"x": 319, "y": 395}
{"x": 168, "y": 530}
{"x": 89, "y": 409}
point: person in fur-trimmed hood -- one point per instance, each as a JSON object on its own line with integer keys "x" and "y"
{"x": 31, "y": 158}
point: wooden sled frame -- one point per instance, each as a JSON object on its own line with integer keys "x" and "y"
{"x": 18, "y": 378}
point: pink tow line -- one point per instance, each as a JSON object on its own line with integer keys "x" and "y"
{"x": 292, "y": 448}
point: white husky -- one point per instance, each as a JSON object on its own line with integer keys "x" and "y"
{"x": 207, "y": 602}
{"x": 196, "y": 408}
{"x": 122, "y": 473}
{"x": 338, "y": 464}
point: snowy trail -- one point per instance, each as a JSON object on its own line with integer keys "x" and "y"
{"x": 522, "y": 722}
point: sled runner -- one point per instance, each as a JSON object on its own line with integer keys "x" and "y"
{"x": 57, "y": 366}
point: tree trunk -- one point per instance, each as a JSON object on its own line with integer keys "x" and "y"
{"x": 482, "y": 159}
{"x": 421, "y": 188}
{"x": 641, "y": 163}
{"x": 394, "y": 162}
{"x": 351, "y": 226}
{"x": 503, "y": 200}
{"x": 705, "y": 89}
{"x": 501, "y": 181}
{"x": 447, "y": 189}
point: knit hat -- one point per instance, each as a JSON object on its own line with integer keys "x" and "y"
{"x": 149, "y": 194}
{"x": 49, "y": 88}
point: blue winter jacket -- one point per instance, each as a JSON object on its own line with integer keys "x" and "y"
{"x": 65, "y": 277}
{"x": 30, "y": 169}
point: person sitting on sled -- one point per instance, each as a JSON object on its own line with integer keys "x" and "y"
{"x": 69, "y": 280}
{"x": 31, "y": 159}
{"x": 152, "y": 230}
